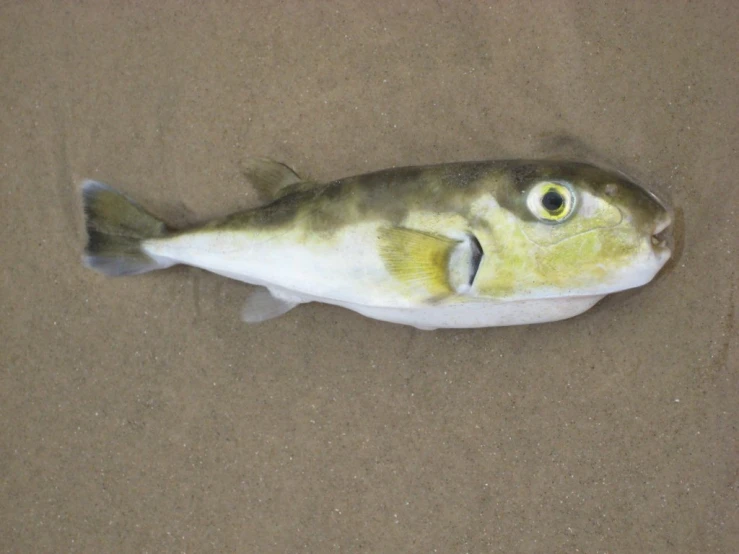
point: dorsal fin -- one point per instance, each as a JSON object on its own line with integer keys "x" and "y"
{"x": 273, "y": 179}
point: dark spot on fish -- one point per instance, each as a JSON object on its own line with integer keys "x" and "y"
{"x": 523, "y": 175}
{"x": 446, "y": 188}
{"x": 462, "y": 176}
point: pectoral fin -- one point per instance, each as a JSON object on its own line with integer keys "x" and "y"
{"x": 418, "y": 258}
{"x": 262, "y": 306}
{"x": 273, "y": 179}
{"x": 436, "y": 263}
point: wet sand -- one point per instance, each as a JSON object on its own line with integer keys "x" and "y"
{"x": 140, "y": 414}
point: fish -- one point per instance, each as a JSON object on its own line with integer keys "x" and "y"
{"x": 453, "y": 245}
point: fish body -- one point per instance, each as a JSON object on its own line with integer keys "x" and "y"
{"x": 471, "y": 244}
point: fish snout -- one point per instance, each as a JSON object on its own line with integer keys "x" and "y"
{"x": 662, "y": 238}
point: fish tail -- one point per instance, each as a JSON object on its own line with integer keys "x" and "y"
{"x": 116, "y": 230}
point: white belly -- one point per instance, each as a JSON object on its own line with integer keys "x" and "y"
{"x": 480, "y": 313}
{"x": 346, "y": 268}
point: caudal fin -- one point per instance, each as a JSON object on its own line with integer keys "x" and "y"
{"x": 116, "y": 227}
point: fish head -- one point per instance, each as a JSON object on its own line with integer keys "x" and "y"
{"x": 567, "y": 229}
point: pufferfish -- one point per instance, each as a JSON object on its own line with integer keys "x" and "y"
{"x": 457, "y": 245}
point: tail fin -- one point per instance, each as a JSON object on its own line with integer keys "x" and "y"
{"x": 116, "y": 227}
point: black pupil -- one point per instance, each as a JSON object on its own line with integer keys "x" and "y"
{"x": 552, "y": 201}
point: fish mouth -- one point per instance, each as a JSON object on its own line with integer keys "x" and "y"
{"x": 662, "y": 238}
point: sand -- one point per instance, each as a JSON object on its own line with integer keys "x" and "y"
{"x": 140, "y": 414}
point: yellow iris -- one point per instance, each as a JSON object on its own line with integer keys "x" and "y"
{"x": 551, "y": 202}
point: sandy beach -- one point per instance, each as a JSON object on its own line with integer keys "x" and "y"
{"x": 141, "y": 415}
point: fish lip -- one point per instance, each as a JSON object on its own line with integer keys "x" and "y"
{"x": 662, "y": 236}
{"x": 662, "y": 226}
{"x": 669, "y": 213}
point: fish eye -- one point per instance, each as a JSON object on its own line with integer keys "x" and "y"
{"x": 551, "y": 202}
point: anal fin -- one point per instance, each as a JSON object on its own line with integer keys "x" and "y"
{"x": 262, "y": 306}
